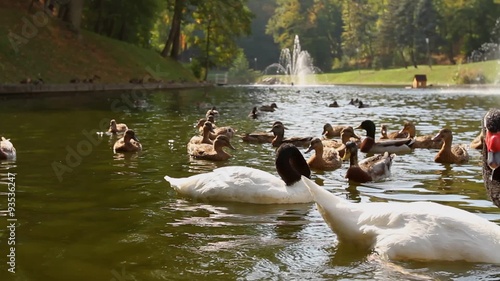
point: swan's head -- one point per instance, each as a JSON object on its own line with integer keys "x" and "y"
{"x": 491, "y": 131}
{"x": 290, "y": 164}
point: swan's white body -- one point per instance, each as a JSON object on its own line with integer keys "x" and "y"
{"x": 410, "y": 231}
{"x": 241, "y": 184}
{"x": 7, "y": 150}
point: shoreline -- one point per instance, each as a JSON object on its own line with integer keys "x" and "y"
{"x": 18, "y": 90}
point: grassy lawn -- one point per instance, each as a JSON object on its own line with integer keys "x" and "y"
{"x": 58, "y": 55}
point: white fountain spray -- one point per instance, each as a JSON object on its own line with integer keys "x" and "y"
{"x": 297, "y": 66}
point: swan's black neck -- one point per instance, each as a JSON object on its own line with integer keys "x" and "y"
{"x": 290, "y": 164}
{"x": 491, "y": 122}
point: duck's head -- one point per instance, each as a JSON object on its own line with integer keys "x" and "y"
{"x": 223, "y": 140}
{"x": 208, "y": 127}
{"x": 491, "y": 131}
{"x": 409, "y": 128}
{"x": 383, "y": 130}
{"x": 278, "y": 129}
{"x": 211, "y": 118}
{"x": 130, "y": 134}
{"x": 348, "y": 132}
{"x": 316, "y": 142}
{"x": 279, "y": 123}
{"x": 327, "y": 128}
{"x": 368, "y": 126}
{"x": 444, "y": 134}
{"x": 112, "y": 122}
{"x": 351, "y": 150}
{"x": 273, "y": 105}
{"x": 200, "y": 123}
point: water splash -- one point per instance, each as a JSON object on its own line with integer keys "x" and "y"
{"x": 296, "y": 66}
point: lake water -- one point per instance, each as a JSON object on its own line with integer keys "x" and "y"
{"x": 84, "y": 213}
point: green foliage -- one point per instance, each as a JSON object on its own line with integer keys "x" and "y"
{"x": 240, "y": 73}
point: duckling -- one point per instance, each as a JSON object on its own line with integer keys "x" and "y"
{"x": 373, "y": 168}
{"x": 424, "y": 141}
{"x": 369, "y": 145}
{"x": 452, "y": 154}
{"x": 394, "y": 135}
{"x": 324, "y": 158}
{"x": 253, "y": 114}
{"x": 115, "y": 128}
{"x": 279, "y": 132}
{"x": 330, "y": 131}
{"x": 212, "y": 152}
{"x": 333, "y": 104}
{"x": 7, "y": 150}
{"x": 477, "y": 142}
{"x": 270, "y": 108}
{"x": 205, "y": 137}
{"x": 128, "y": 143}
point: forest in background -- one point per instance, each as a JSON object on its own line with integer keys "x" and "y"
{"x": 339, "y": 34}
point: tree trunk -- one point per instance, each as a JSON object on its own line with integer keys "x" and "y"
{"x": 174, "y": 28}
{"x": 176, "y": 45}
{"x": 403, "y": 58}
{"x": 207, "y": 51}
{"x": 98, "y": 24}
{"x": 74, "y": 14}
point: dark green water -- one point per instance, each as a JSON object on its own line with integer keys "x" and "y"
{"x": 84, "y": 213}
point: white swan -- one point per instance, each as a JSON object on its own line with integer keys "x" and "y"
{"x": 410, "y": 231}
{"x": 249, "y": 185}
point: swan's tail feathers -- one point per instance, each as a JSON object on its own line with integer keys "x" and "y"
{"x": 174, "y": 182}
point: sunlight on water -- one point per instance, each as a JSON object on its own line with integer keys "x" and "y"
{"x": 114, "y": 216}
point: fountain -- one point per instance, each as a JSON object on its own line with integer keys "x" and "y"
{"x": 296, "y": 66}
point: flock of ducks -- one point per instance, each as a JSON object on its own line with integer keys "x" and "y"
{"x": 422, "y": 231}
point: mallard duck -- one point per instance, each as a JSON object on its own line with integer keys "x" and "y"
{"x": 477, "y": 142}
{"x": 393, "y": 135}
{"x": 205, "y": 137}
{"x": 421, "y": 231}
{"x": 330, "y": 131}
{"x": 369, "y": 145}
{"x": 249, "y": 185}
{"x": 333, "y": 104}
{"x": 7, "y": 150}
{"x": 324, "y": 158}
{"x": 424, "y": 141}
{"x": 452, "y": 154}
{"x": 213, "y": 152}
{"x": 270, "y": 108}
{"x": 279, "y": 137}
{"x": 115, "y": 128}
{"x": 128, "y": 143}
{"x": 373, "y": 168}
{"x": 491, "y": 154}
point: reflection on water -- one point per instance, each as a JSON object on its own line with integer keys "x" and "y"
{"x": 114, "y": 215}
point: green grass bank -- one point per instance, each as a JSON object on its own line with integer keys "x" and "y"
{"x": 34, "y": 43}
